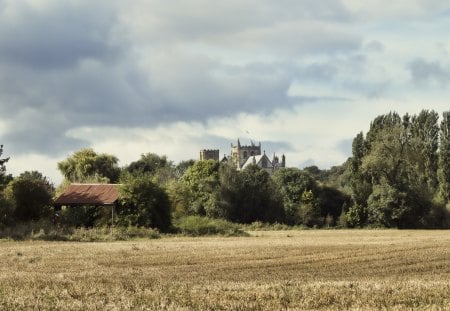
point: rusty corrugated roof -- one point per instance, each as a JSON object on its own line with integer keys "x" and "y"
{"x": 89, "y": 194}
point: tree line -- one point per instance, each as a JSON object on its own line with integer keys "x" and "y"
{"x": 398, "y": 176}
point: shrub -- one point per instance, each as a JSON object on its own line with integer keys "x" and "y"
{"x": 112, "y": 234}
{"x": 198, "y": 226}
{"x": 263, "y": 226}
{"x": 143, "y": 203}
{"x": 45, "y": 230}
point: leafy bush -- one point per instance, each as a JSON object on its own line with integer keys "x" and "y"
{"x": 198, "y": 226}
{"x": 45, "y": 230}
{"x": 263, "y": 226}
{"x": 143, "y": 203}
{"x": 31, "y": 194}
{"x": 112, "y": 234}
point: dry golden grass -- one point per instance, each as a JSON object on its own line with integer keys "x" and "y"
{"x": 293, "y": 270}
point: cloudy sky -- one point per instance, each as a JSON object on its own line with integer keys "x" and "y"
{"x": 173, "y": 77}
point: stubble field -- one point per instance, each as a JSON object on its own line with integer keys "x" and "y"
{"x": 281, "y": 270}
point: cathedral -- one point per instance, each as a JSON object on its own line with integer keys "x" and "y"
{"x": 245, "y": 155}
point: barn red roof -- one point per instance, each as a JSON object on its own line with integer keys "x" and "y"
{"x": 89, "y": 194}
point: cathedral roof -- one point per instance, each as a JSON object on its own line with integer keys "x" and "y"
{"x": 257, "y": 159}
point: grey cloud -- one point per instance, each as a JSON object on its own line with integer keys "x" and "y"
{"x": 75, "y": 64}
{"x": 374, "y": 46}
{"x": 39, "y": 130}
{"x": 319, "y": 71}
{"x": 57, "y": 34}
{"x": 423, "y": 71}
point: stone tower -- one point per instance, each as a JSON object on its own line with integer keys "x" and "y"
{"x": 209, "y": 154}
{"x": 240, "y": 154}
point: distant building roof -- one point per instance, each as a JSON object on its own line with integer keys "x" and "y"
{"x": 261, "y": 160}
{"x": 89, "y": 194}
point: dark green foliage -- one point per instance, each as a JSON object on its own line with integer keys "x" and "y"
{"x": 394, "y": 171}
{"x": 360, "y": 183}
{"x": 309, "y": 212}
{"x": 86, "y": 165}
{"x": 315, "y": 172}
{"x": 6, "y": 205}
{"x": 6, "y": 211}
{"x": 4, "y": 179}
{"x": 386, "y": 206}
{"x": 356, "y": 216}
{"x": 228, "y": 194}
{"x": 31, "y": 194}
{"x": 330, "y": 202}
{"x": 182, "y": 167}
{"x": 382, "y": 122}
{"x": 258, "y": 199}
{"x": 444, "y": 158}
{"x": 148, "y": 163}
{"x": 158, "y": 167}
{"x": 219, "y": 191}
{"x": 2, "y": 161}
{"x": 292, "y": 183}
{"x": 202, "y": 181}
{"x": 143, "y": 203}
{"x": 84, "y": 216}
{"x": 424, "y": 143}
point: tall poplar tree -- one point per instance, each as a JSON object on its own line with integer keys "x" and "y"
{"x": 360, "y": 186}
{"x": 4, "y": 179}
{"x": 424, "y": 143}
{"x": 444, "y": 157}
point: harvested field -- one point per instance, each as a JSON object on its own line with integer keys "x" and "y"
{"x": 290, "y": 270}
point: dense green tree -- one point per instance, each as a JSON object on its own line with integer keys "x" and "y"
{"x": 182, "y": 167}
{"x": 86, "y": 165}
{"x": 202, "y": 181}
{"x": 179, "y": 196}
{"x": 387, "y": 159}
{"x": 339, "y": 177}
{"x": 6, "y": 211}
{"x": 6, "y": 205}
{"x": 360, "y": 183}
{"x": 395, "y": 164}
{"x": 4, "y": 179}
{"x": 330, "y": 202}
{"x": 149, "y": 163}
{"x": 382, "y": 122}
{"x": 258, "y": 198}
{"x": 2, "y": 161}
{"x": 386, "y": 206}
{"x": 315, "y": 172}
{"x": 389, "y": 165}
{"x": 309, "y": 212}
{"x": 143, "y": 203}
{"x": 227, "y": 197}
{"x": 424, "y": 144}
{"x": 292, "y": 183}
{"x": 444, "y": 157}
{"x": 31, "y": 194}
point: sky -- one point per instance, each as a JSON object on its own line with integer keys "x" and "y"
{"x": 302, "y": 77}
